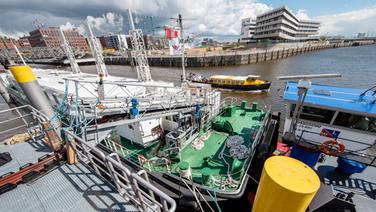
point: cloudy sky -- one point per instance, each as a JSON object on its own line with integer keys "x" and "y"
{"x": 204, "y": 17}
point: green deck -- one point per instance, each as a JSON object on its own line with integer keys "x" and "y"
{"x": 245, "y": 121}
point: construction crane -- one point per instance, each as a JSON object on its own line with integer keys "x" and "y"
{"x": 38, "y": 24}
{"x": 303, "y": 85}
{"x": 69, "y": 52}
{"x": 139, "y": 52}
{"x": 99, "y": 61}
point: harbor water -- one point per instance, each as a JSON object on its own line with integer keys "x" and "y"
{"x": 356, "y": 64}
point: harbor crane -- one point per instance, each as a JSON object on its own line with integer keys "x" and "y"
{"x": 139, "y": 52}
{"x": 303, "y": 86}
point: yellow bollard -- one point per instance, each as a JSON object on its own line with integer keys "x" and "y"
{"x": 287, "y": 185}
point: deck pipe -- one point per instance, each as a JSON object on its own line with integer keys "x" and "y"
{"x": 32, "y": 90}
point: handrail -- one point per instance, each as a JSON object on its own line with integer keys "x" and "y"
{"x": 345, "y": 139}
{"x": 131, "y": 185}
{"x": 33, "y": 110}
{"x": 349, "y": 153}
{"x": 34, "y": 117}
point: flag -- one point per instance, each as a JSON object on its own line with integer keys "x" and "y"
{"x": 330, "y": 133}
{"x": 173, "y": 36}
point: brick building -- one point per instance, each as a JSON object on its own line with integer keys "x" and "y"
{"x": 50, "y": 37}
{"x": 7, "y": 42}
{"x": 2, "y": 45}
{"x": 24, "y": 42}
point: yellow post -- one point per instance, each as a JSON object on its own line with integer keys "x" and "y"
{"x": 286, "y": 185}
{"x": 22, "y": 74}
{"x": 32, "y": 90}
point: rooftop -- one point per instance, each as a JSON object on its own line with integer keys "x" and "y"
{"x": 336, "y": 98}
{"x": 289, "y": 11}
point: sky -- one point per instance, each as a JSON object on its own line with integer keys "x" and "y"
{"x": 221, "y": 18}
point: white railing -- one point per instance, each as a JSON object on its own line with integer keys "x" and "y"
{"x": 132, "y": 186}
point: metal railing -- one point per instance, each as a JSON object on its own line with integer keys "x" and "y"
{"x": 135, "y": 187}
{"x": 355, "y": 155}
{"x": 17, "y": 119}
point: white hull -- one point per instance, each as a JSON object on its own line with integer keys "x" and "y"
{"x": 152, "y": 95}
{"x": 354, "y": 140}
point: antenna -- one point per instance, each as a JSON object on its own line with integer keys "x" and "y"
{"x": 69, "y": 53}
{"x": 303, "y": 85}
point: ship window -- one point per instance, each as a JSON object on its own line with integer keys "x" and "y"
{"x": 314, "y": 114}
{"x": 356, "y": 122}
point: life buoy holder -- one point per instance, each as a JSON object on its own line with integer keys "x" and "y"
{"x": 332, "y": 148}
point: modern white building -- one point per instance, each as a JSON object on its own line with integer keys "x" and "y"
{"x": 281, "y": 24}
{"x": 112, "y": 41}
{"x": 247, "y": 30}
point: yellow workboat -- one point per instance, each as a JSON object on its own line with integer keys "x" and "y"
{"x": 245, "y": 83}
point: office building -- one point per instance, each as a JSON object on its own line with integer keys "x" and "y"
{"x": 248, "y": 30}
{"x": 112, "y": 41}
{"x": 280, "y": 24}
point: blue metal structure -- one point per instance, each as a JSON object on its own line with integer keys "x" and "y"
{"x": 338, "y": 98}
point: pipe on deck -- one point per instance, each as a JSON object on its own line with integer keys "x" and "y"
{"x": 31, "y": 88}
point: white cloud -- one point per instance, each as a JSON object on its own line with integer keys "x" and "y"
{"x": 215, "y": 16}
{"x": 218, "y": 16}
{"x": 302, "y": 15}
{"x": 67, "y": 25}
{"x": 109, "y": 22}
{"x": 349, "y": 23}
{"x": 13, "y": 34}
{"x": 207, "y": 17}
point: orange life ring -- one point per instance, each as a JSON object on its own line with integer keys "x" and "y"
{"x": 336, "y": 148}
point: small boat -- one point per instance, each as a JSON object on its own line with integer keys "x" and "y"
{"x": 211, "y": 155}
{"x": 244, "y": 83}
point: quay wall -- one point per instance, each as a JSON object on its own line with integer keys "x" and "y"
{"x": 210, "y": 59}
{"x": 227, "y": 59}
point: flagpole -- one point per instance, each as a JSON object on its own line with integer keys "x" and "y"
{"x": 183, "y": 48}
